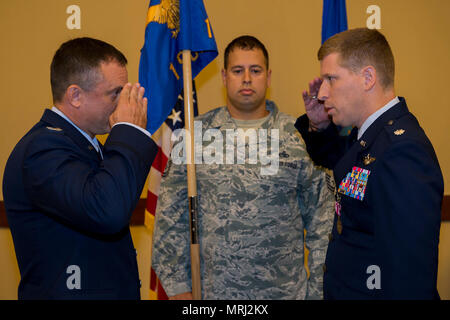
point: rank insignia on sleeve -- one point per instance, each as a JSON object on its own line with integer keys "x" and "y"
{"x": 354, "y": 184}
{"x": 399, "y": 132}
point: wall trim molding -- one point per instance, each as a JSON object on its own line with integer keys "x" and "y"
{"x": 137, "y": 219}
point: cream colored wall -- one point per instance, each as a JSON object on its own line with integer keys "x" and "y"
{"x": 31, "y": 30}
{"x": 9, "y": 271}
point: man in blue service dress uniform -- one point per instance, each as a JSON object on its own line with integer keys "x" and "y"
{"x": 389, "y": 186}
{"x": 69, "y": 199}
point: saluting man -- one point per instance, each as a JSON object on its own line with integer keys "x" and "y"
{"x": 389, "y": 186}
{"x": 68, "y": 198}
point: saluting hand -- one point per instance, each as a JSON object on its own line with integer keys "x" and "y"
{"x": 318, "y": 117}
{"x": 132, "y": 106}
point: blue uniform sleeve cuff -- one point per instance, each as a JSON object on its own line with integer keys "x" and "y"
{"x": 135, "y": 126}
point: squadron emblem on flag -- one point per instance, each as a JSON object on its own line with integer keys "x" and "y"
{"x": 167, "y": 12}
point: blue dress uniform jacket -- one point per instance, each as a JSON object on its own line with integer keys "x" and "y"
{"x": 385, "y": 245}
{"x": 69, "y": 210}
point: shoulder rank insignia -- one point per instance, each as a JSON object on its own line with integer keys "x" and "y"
{"x": 54, "y": 129}
{"x": 399, "y": 132}
{"x": 368, "y": 159}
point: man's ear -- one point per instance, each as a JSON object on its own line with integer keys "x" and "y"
{"x": 74, "y": 95}
{"x": 369, "y": 74}
{"x": 269, "y": 77}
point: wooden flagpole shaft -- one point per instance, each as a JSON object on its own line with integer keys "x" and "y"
{"x": 191, "y": 177}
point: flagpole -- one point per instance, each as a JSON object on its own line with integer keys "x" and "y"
{"x": 191, "y": 177}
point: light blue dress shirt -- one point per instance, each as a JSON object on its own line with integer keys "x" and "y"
{"x": 93, "y": 141}
{"x": 374, "y": 116}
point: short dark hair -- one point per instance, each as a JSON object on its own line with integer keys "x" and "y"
{"x": 359, "y": 48}
{"x": 77, "y": 61}
{"x": 245, "y": 42}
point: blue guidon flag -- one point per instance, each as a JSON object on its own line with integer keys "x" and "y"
{"x": 172, "y": 26}
{"x": 334, "y": 18}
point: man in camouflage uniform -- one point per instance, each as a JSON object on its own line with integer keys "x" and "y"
{"x": 252, "y": 215}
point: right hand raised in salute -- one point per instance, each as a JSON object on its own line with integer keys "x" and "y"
{"x": 132, "y": 106}
{"x": 315, "y": 110}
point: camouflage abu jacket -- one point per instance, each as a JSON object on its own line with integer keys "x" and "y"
{"x": 252, "y": 215}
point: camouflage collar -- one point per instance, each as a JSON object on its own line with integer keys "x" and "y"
{"x": 223, "y": 120}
